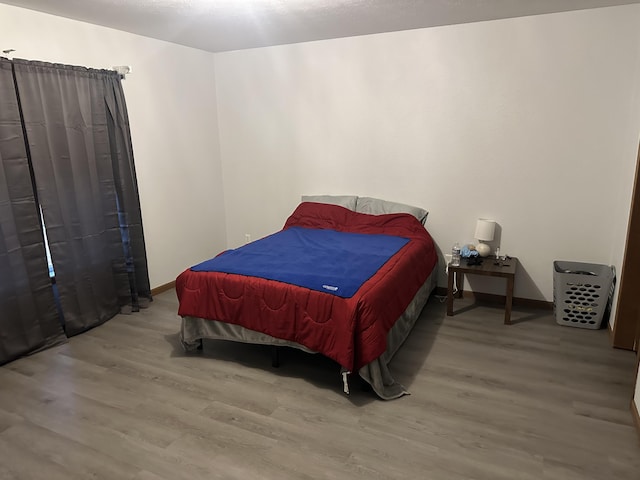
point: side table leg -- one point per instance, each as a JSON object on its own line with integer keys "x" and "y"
{"x": 509, "y": 300}
{"x": 450, "y": 293}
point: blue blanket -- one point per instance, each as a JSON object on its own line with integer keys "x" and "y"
{"x": 324, "y": 260}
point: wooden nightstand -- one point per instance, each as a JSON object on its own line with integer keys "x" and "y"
{"x": 490, "y": 267}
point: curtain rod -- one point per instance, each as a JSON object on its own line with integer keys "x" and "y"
{"x": 122, "y": 70}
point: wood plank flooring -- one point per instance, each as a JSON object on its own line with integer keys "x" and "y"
{"x": 123, "y": 401}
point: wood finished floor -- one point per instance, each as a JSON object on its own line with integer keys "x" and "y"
{"x": 489, "y": 401}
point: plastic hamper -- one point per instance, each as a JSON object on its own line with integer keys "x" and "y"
{"x": 581, "y": 293}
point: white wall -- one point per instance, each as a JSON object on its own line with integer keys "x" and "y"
{"x": 636, "y": 395}
{"x": 532, "y": 121}
{"x": 172, "y": 111}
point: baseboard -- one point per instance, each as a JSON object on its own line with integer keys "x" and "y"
{"x": 163, "y": 288}
{"x": 500, "y": 299}
{"x": 636, "y": 416}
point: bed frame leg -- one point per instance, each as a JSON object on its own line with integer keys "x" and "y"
{"x": 275, "y": 356}
{"x": 200, "y": 345}
{"x": 345, "y": 381}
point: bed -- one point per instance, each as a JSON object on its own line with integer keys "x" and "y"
{"x": 359, "y": 322}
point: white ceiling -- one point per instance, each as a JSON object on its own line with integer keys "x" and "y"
{"x": 220, "y": 25}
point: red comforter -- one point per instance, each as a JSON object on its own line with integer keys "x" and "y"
{"x": 351, "y": 331}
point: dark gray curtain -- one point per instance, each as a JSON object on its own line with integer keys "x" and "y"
{"x": 128, "y": 197}
{"x": 79, "y": 143}
{"x": 28, "y": 316}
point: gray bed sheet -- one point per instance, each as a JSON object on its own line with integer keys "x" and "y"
{"x": 376, "y": 373}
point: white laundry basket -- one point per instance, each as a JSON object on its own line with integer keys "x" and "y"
{"x": 581, "y": 293}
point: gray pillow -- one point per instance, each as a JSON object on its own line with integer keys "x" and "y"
{"x": 346, "y": 201}
{"x": 375, "y": 206}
